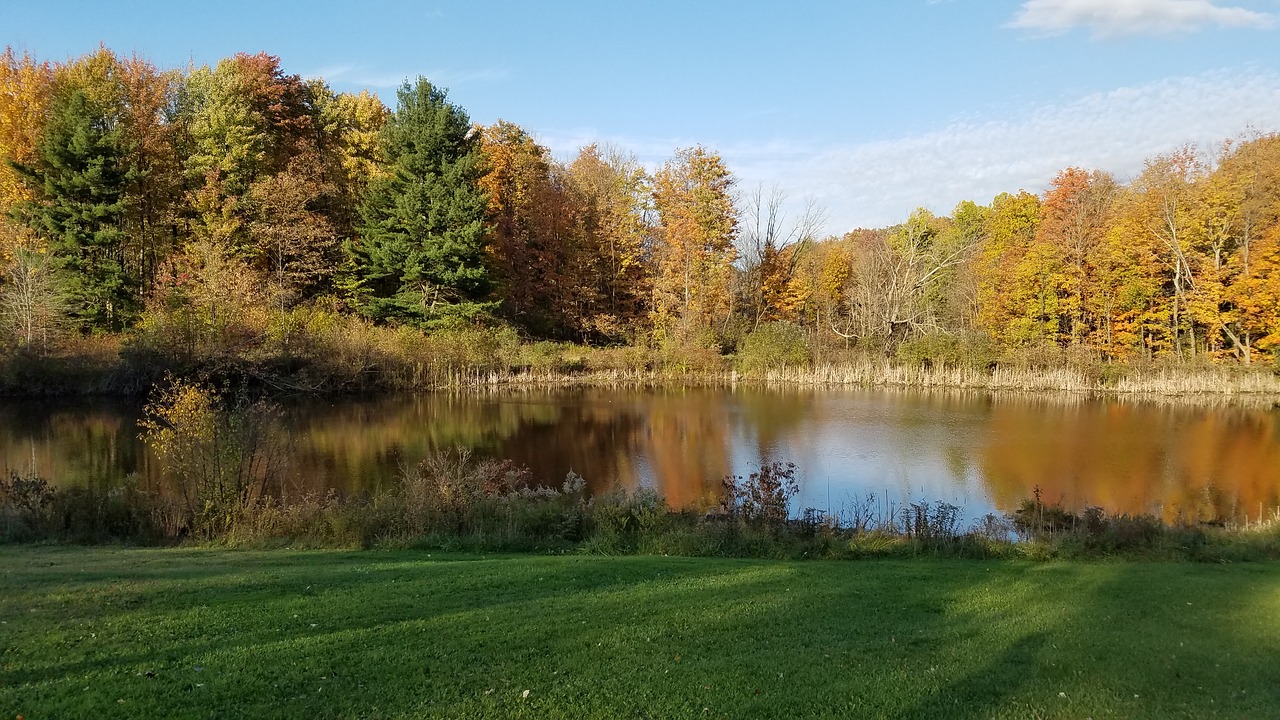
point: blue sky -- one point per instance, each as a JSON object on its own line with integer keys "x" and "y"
{"x": 868, "y": 107}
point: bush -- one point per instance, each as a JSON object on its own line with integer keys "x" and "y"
{"x": 621, "y": 520}
{"x": 974, "y": 350}
{"x": 225, "y": 458}
{"x": 763, "y": 496}
{"x": 773, "y": 345}
{"x": 32, "y": 509}
{"x": 25, "y": 501}
{"x": 632, "y": 358}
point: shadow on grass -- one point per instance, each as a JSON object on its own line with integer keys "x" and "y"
{"x": 400, "y": 635}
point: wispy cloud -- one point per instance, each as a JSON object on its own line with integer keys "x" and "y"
{"x": 880, "y": 183}
{"x": 1108, "y": 18}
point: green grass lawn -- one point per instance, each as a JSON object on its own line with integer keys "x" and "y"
{"x": 95, "y": 633}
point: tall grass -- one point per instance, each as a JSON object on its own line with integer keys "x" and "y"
{"x": 869, "y": 372}
{"x": 318, "y": 349}
{"x": 455, "y": 501}
{"x": 1199, "y": 381}
{"x": 1166, "y": 381}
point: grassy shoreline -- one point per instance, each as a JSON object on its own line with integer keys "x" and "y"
{"x": 390, "y": 361}
{"x": 452, "y": 500}
{"x": 112, "y": 632}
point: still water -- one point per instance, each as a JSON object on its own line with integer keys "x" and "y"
{"x": 984, "y": 453}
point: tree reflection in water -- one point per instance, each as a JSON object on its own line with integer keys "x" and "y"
{"x": 983, "y": 452}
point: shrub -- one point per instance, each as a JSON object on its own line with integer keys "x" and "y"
{"x": 621, "y": 519}
{"x": 225, "y": 458}
{"x": 763, "y": 496}
{"x": 122, "y": 513}
{"x": 633, "y": 358}
{"x": 773, "y": 345}
{"x": 32, "y": 509}
{"x": 25, "y": 501}
{"x": 973, "y": 349}
{"x": 451, "y": 496}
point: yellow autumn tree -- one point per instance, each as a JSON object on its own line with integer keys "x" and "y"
{"x": 1166, "y": 203}
{"x": 1238, "y": 205}
{"x": 611, "y": 196}
{"x": 1011, "y": 295}
{"x": 26, "y": 87}
{"x": 354, "y": 122}
{"x": 1128, "y": 297}
{"x": 694, "y": 255}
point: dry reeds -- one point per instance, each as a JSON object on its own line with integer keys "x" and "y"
{"x": 871, "y": 373}
{"x": 1166, "y": 382}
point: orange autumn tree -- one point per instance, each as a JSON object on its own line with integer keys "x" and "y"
{"x": 1257, "y": 295}
{"x": 771, "y": 247}
{"x": 1073, "y": 222}
{"x": 25, "y": 90}
{"x": 531, "y": 241}
{"x": 815, "y": 294}
{"x": 694, "y": 253}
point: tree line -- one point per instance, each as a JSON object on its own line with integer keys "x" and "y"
{"x": 185, "y": 204}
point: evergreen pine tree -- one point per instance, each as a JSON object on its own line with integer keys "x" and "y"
{"x": 79, "y": 179}
{"x": 421, "y": 257}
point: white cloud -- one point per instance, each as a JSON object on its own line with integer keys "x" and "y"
{"x": 880, "y": 183}
{"x": 1108, "y": 18}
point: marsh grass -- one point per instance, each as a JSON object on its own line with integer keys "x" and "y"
{"x": 319, "y": 351}
{"x": 1101, "y": 380}
{"x": 454, "y": 501}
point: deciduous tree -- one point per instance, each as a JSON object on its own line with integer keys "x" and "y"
{"x": 612, "y": 200}
{"x": 693, "y": 195}
{"x": 532, "y": 244}
{"x": 26, "y": 87}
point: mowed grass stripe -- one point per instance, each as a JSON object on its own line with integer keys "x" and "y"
{"x": 109, "y": 632}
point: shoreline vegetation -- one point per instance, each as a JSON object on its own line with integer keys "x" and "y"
{"x": 402, "y": 360}
{"x": 228, "y": 494}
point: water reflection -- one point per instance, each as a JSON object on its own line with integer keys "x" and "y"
{"x": 1175, "y": 461}
{"x": 983, "y": 452}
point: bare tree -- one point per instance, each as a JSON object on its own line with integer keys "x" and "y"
{"x": 32, "y": 305}
{"x": 763, "y": 243}
{"x": 896, "y": 279}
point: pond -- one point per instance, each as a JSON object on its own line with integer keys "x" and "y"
{"x": 982, "y": 452}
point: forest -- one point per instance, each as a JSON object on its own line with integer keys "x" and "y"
{"x": 181, "y": 220}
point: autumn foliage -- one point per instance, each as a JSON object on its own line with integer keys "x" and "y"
{"x": 238, "y": 213}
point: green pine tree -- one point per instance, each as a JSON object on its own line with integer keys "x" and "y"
{"x": 421, "y": 255}
{"x": 79, "y": 178}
